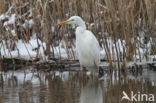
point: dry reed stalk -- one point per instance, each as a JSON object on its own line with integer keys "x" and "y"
{"x": 118, "y": 18}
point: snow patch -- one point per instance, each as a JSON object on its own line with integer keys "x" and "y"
{"x": 11, "y": 20}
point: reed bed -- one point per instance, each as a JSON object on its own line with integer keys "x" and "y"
{"x": 121, "y": 26}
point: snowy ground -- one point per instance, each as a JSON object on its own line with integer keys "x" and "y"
{"x": 27, "y": 50}
{"x": 35, "y": 48}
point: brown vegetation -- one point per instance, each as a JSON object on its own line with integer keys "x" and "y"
{"x": 118, "y": 19}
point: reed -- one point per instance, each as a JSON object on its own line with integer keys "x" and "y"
{"x": 120, "y": 20}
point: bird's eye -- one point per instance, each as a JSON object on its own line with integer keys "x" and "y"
{"x": 72, "y": 19}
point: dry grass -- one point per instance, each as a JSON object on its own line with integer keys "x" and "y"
{"x": 121, "y": 19}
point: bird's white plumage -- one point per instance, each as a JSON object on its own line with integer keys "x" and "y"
{"x": 87, "y": 45}
{"x": 87, "y": 48}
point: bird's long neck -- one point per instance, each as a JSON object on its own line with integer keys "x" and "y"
{"x": 80, "y": 30}
{"x": 82, "y": 25}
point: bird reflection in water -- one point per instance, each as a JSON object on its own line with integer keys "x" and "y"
{"x": 91, "y": 92}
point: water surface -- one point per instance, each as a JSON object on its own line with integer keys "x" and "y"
{"x": 28, "y": 86}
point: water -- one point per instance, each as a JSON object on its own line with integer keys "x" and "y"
{"x": 29, "y": 86}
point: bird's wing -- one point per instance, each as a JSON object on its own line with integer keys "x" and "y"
{"x": 95, "y": 48}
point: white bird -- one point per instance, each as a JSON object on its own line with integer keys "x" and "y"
{"x": 87, "y": 46}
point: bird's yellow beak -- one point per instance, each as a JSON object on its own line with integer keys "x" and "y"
{"x": 63, "y": 22}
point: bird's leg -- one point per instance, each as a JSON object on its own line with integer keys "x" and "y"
{"x": 100, "y": 72}
{"x": 93, "y": 71}
{"x": 82, "y": 71}
{"x": 81, "y": 67}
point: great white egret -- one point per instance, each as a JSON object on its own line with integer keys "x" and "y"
{"x": 87, "y": 46}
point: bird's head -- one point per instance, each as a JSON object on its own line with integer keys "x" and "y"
{"x": 73, "y": 20}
